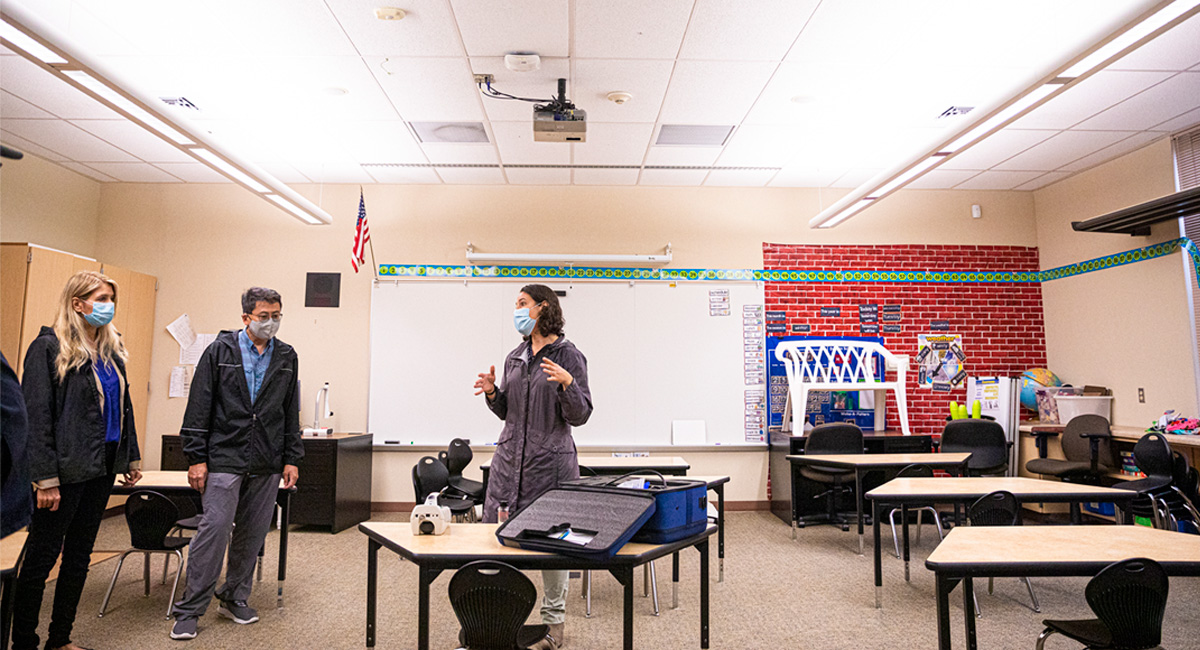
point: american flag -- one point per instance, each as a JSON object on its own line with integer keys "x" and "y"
{"x": 362, "y": 235}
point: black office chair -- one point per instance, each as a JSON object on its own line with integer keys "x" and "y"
{"x": 833, "y": 438}
{"x": 150, "y": 517}
{"x": 492, "y": 601}
{"x": 1153, "y": 456}
{"x": 999, "y": 508}
{"x": 458, "y": 457}
{"x": 915, "y": 471}
{"x": 1087, "y": 444}
{"x": 983, "y": 439}
{"x": 1129, "y": 598}
{"x": 431, "y": 476}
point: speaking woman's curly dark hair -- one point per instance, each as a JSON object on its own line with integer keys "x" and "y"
{"x": 550, "y": 320}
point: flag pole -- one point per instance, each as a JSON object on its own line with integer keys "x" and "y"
{"x": 374, "y": 266}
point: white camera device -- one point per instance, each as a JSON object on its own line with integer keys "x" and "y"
{"x": 429, "y": 518}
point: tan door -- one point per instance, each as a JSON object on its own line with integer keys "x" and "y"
{"x": 14, "y": 264}
{"x": 47, "y": 274}
{"x": 135, "y": 321}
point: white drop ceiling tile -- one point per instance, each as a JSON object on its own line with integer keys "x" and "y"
{"x": 539, "y": 84}
{"x": 284, "y": 172}
{"x": 429, "y": 89}
{"x": 472, "y": 175}
{"x": 1136, "y": 141}
{"x": 714, "y": 92}
{"x": 1062, "y": 149}
{"x": 498, "y": 27}
{"x": 68, "y": 140}
{"x": 515, "y": 140}
{"x": 726, "y": 31}
{"x": 80, "y": 168}
{"x": 673, "y": 177}
{"x": 683, "y": 156}
{"x": 12, "y": 106}
{"x": 1174, "y": 50}
{"x": 997, "y": 148}
{"x": 93, "y": 33}
{"x": 855, "y": 177}
{"x": 25, "y": 146}
{"x": 527, "y": 176}
{"x": 630, "y": 29}
{"x": 805, "y": 177}
{"x": 133, "y": 139}
{"x": 334, "y": 172}
{"x": 605, "y": 176}
{"x": 134, "y": 172}
{"x": 995, "y": 180}
{"x": 740, "y": 177}
{"x": 613, "y": 144}
{"x": 940, "y": 179}
{"x": 645, "y": 80}
{"x": 47, "y": 92}
{"x": 4, "y": 51}
{"x": 1180, "y": 123}
{"x": 1089, "y": 97}
{"x": 438, "y": 152}
{"x": 1042, "y": 181}
{"x": 1168, "y": 99}
{"x": 758, "y": 145}
{"x": 427, "y": 29}
{"x": 193, "y": 172}
{"x": 404, "y": 175}
{"x": 251, "y": 140}
{"x": 375, "y": 141}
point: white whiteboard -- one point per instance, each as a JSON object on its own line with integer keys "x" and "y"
{"x": 654, "y": 355}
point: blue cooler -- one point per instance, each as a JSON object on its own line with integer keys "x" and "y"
{"x": 681, "y": 505}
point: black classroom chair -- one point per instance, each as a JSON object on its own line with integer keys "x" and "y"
{"x": 430, "y": 476}
{"x": 458, "y": 457}
{"x": 999, "y": 508}
{"x": 915, "y": 471}
{"x": 833, "y": 438}
{"x": 491, "y": 601}
{"x": 150, "y": 517}
{"x": 1129, "y": 599}
{"x": 1087, "y": 444}
{"x": 1153, "y": 456}
{"x": 983, "y": 439}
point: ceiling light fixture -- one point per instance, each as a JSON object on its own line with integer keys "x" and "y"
{"x": 33, "y": 38}
{"x": 1127, "y": 38}
{"x": 390, "y": 13}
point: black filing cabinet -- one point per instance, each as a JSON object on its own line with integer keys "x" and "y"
{"x": 335, "y": 479}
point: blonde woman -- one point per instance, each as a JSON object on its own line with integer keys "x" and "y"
{"x": 81, "y": 435}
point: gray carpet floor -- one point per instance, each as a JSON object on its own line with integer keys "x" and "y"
{"x": 815, "y": 592}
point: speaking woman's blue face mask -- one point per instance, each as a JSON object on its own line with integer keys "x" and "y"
{"x": 523, "y": 322}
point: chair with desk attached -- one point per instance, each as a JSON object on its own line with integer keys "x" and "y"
{"x": 430, "y": 476}
{"x": 1087, "y": 445}
{"x": 983, "y": 439}
{"x": 999, "y": 508}
{"x": 491, "y": 601}
{"x": 1129, "y": 599}
{"x": 151, "y": 518}
{"x": 1177, "y": 503}
{"x": 915, "y": 471}
{"x": 833, "y": 438}
{"x": 1159, "y": 498}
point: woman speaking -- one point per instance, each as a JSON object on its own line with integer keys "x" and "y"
{"x": 544, "y": 393}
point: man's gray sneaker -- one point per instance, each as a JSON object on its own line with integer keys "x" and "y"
{"x": 185, "y": 628}
{"x": 238, "y": 612}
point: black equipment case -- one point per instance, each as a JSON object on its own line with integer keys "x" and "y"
{"x": 600, "y": 520}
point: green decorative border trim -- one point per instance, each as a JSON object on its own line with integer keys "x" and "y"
{"x": 792, "y": 275}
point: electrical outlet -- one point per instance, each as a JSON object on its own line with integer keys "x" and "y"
{"x": 484, "y": 79}
{"x": 1141, "y": 395}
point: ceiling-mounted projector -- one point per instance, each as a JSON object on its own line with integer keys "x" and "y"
{"x": 559, "y": 120}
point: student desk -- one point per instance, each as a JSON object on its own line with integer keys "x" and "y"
{"x": 861, "y": 463}
{"x": 176, "y": 483}
{"x": 11, "y": 549}
{"x": 969, "y": 552}
{"x": 967, "y": 490}
{"x": 465, "y": 543}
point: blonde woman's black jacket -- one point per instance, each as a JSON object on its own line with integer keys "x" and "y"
{"x": 66, "y": 425}
{"x": 223, "y": 429}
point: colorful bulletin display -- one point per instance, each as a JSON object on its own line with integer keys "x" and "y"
{"x": 940, "y": 362}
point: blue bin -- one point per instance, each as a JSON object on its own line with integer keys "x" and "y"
{"x": 680, "y": 505}
{"x": 1106, "y": 509}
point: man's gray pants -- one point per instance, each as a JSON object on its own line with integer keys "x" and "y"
{"x": 247, "y": 501}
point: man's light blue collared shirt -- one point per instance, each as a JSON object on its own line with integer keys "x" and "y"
{"x": 253, "y": 363}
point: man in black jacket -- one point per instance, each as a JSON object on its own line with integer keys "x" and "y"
{"x": 241, "y": 432}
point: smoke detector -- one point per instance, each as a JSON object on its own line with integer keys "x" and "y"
{"x": 522, "y": 61}
{"x": 619, "y": 97}
{"x": 389, "y": 13}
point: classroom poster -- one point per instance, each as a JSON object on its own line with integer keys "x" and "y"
{"x": 940, "y": 360}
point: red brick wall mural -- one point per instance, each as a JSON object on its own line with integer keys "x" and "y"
{"x": 1000, "y": 322}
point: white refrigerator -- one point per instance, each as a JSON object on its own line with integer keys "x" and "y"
{"x": 1000, "y": 398}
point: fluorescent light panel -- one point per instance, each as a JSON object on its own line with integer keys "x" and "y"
{"x": 293, "y": 208}
{"x": 19, "y": 40}
{"x": 237, "y": 174}
{"x": 907, "y": 176}
{"x": 1131, "y": 36}
{"x": 992, "y": 123}
{"x": 847, "y": 213}
{"x": 122, "y": 102}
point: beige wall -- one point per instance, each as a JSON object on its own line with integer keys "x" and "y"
{"x": 1125, "y": 327}
{"x": 43, "y": 203}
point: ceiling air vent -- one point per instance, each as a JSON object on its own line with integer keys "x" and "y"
{"x": 180, "y": 102}
{"x": 452, "y": 132}
{"x": 954, "y": 111}
{"x": 693, "y": 135}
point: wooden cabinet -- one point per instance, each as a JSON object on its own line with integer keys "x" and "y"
{"x": 335, "y": 479}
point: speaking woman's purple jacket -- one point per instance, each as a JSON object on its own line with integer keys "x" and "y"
{"x": 536, "y": 451}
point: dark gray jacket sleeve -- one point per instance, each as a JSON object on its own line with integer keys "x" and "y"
{"x": 576, "y": 399}
{"x": 293, "y": 446}
{"x": 41, "y": 394}
{"x": 197, "y": 418}
{"x": 499, "y": 402}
